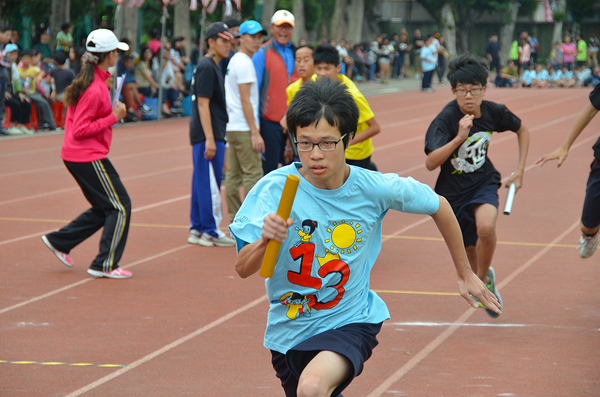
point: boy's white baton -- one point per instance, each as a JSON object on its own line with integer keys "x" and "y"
{"x": 509, "y": 199}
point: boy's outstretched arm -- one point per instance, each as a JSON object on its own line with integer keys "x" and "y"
{"x": 517, "y": 176}
{"x": 582, "y": 120}
{"x": 468, "y": 282}
{"x": 250, "y": 257}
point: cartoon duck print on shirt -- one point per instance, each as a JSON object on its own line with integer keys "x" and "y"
{"x": 342, "y": 238}
{"x": 471, "y": 154}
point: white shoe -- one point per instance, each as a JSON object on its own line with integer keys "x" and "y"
{"x": 587, "y": 245}
{"x": 14, "y": 131}
{"x": 26, "y": 130}
{"x": 207, "y": 240}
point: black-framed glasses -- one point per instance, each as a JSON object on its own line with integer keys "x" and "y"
{"x": 474, "y": 91}
{"x": 325, "y": 146}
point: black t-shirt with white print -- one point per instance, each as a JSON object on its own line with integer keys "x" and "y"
{"x": 595, "y": 101}
{"x": 468, "y": 169}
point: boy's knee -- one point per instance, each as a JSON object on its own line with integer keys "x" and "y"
{"x": 486, "y": 231}
{"x": 310, "y": 385}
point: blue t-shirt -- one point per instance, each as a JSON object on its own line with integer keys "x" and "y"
{"x": 321, "y": 280}
{"x": 528, "y": 76}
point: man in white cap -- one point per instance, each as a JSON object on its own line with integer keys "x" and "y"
{"x": 274, "y": 64}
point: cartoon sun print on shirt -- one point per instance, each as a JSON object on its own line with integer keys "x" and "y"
{"x": 344, "y": 237}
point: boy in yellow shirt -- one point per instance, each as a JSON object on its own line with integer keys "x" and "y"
{"x": 305, "y": 67}
{"x": 327, "y": 64}
{"x": 31, "y": 76}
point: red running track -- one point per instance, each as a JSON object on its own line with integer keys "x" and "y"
{"x": 185, "y": 324}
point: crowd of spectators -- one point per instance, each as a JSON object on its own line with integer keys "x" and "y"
{"x": 34, "y": 79}
{"x": 37, "y": 76}
{"x": 572, "y": 63}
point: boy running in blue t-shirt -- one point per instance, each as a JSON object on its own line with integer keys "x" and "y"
{"x": 323, "y": 319}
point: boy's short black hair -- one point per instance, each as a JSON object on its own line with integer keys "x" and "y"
{"x": 467, "y": 70}
{"x": 323, "y": 99}
{"x": 312, "y": 48}
{"x": 326, "y": 53}
{"x": 26, "y": 53}
{"x": 60, "y": 57}
{"x": 65, "y": 26}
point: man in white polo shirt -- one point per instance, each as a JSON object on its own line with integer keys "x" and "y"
{"x": 245, "y": 144}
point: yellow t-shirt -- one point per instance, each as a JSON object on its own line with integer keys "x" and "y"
{"x": 28, "y": 76}
{"x": 292, "y": 89}
{"x": 363, "y": 149}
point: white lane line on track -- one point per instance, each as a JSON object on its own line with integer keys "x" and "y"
{"x": 116, "y": 158}
{"x": 427, "y": 350}
{"x": 74, "y": 189}
{"x": 168, "y": 347}
{"x": 73, "y": 285}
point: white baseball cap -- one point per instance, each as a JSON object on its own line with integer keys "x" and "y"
{"x": 104, "y": 40}
{"x": 283, "y": 16}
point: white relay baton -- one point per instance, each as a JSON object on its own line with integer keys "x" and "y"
{"x": 509, "y": 199}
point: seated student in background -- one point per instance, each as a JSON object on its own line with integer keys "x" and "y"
{"x": 168, "y": 82}
{"x": 360, "y": 149}
{"x": 508, "y": 76}
{"x": 528, "y": 76}
{"x": 146, "y": 84}
{"x": 565, "y": 78}
{"x": 60, "y": 76}
{"x": 131, "y": 96}
{"x": 585, "y": 77}
{"x": 30, "y": 76}
{"x": 553, "y": 76}
{"x": 541, "y": 77}
{"x": 15, "y": 99}
{"x": 36, "y": 60}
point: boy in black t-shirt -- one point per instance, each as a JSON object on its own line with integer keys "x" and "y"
{"x": 590, "y": 217}
{"x": 63, "y": 77}
{"x": 207, "y": 136}
{"x": 457, "y": 142}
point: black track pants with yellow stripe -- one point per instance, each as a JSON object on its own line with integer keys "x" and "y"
{"x": 111, "y": 210}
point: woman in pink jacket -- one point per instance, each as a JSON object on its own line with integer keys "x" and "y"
{"x": 88, "y": 134}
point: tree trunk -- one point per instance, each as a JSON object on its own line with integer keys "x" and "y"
{"x": 448, "y": 29}
{"x": 370, "y": 23}
{"x": 338, "y": 21}
{"x": 507, "y": 32}
{"x": 464, "y": 30}
{"x": 60, "y": 13}
{"x": 300, "y": 29}
{"x": 267, "y": 13}
{"x": 181, "y": 23}
{"x": 130, "y": 26}
{"x": 356, "y": 16}
{"x": 557, "y": 32}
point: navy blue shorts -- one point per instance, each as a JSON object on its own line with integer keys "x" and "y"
{"x": 590, "y": 216}
{"x": 353, "y": 341}
{"x": 465, "y": 214}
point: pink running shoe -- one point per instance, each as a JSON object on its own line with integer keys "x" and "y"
{"x": 117, "y": 273}
{"x": 64, "y": 258}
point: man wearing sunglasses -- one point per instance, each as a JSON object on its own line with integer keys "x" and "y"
{"x": 457, "y": 141}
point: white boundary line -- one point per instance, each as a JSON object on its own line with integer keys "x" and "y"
{"x": 168, "y": 347}
{"x": 68, "y": 287}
